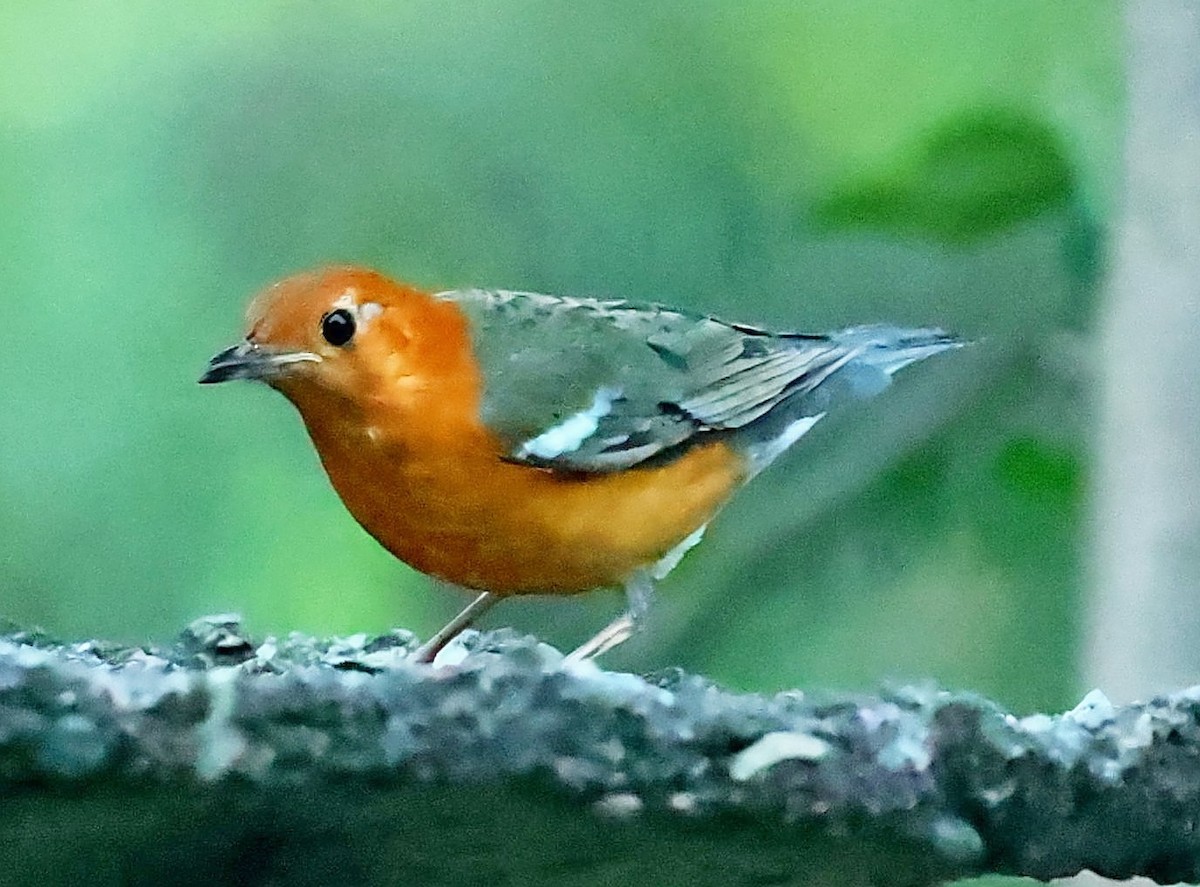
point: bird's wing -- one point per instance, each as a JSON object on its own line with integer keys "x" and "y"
{"x": 589, "y": 385}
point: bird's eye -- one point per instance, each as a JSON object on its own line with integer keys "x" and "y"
{"x": 338, "y": 327}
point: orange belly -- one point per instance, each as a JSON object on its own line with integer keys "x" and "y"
{"x": 465, "y": 515}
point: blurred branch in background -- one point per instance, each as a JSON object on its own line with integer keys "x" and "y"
{"x": 1145, "y": 629}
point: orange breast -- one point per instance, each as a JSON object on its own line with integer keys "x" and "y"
{"x": 465, "y": 515}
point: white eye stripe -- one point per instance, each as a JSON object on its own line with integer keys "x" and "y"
{"x": 364, "y": 313}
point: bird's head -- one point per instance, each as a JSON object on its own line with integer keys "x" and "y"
{"x": 342, "y": 331}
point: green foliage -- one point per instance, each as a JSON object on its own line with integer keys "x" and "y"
{"x": 977, "y": 174}
{"x": 1040, "y": 473}
{"x": 805, "y": 165}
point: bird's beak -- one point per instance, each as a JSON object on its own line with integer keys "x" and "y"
{"x": 248, "y": 360}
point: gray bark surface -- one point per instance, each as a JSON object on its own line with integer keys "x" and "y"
{"x": 222, "y": 760}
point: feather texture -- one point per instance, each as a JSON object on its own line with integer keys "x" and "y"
{"x": 593, "y": 386}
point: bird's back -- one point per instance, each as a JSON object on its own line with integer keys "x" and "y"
{"x": 588, "y": 385}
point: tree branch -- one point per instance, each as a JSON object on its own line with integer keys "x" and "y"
{"x": 220, "y": 760}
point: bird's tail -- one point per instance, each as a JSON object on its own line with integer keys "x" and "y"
{"x": 892, "y": 348}
{"x": 862, "y": 366}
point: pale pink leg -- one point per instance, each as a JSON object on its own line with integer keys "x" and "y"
{"x": 470, "y": 613}
{"x": 639, "y": 591}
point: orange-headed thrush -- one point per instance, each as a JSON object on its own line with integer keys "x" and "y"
{"x": 515, "y": 443}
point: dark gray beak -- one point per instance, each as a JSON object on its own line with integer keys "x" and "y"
{"x": 246, "y": 360}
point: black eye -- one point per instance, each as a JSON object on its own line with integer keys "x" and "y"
{"x": 338, "y": 327}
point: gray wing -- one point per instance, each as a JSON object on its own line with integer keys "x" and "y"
{"x": 589, "y": 385}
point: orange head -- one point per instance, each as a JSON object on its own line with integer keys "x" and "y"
{"x": 343, "y": 336}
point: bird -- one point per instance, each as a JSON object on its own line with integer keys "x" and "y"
{"x": 515, "y": 443}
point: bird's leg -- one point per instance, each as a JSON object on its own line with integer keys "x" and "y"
{"x": 469, "y": 614}
{"x": 639, "y": 592}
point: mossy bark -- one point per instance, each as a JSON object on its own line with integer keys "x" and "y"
{"x": 222, "y": 760}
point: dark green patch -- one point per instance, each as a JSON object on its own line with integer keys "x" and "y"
{"x": 1040, "y": 471}
{"x": 673, "y": 359}
{"x": 974, "y": 175}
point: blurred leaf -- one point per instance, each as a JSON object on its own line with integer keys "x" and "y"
{"x": 1040, "y": 472}
{"x": 976, "y": 174}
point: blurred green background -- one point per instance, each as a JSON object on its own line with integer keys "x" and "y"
{"x": 799, "y": 165}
